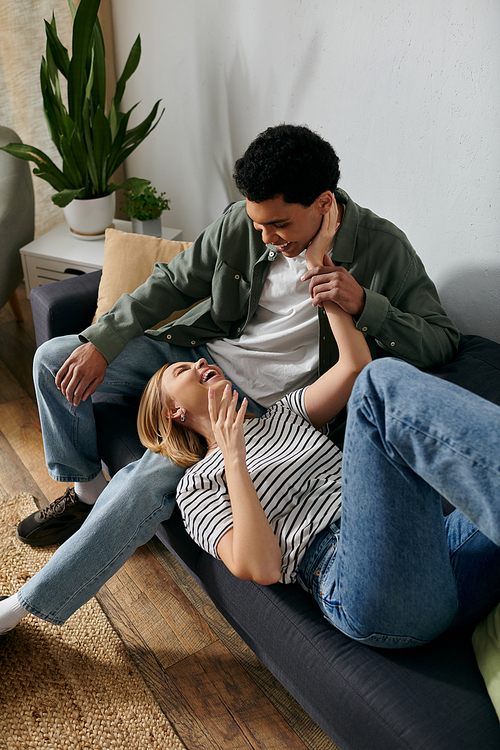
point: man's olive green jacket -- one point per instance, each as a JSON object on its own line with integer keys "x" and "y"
{"x": 226, "y": 268}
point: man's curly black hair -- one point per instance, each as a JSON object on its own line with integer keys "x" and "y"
{"x": 289, "y": 161}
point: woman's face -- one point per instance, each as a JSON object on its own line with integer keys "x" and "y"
{"x": 188, "y": 383}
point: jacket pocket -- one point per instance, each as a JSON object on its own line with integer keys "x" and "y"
{"x": 230, "y": 294}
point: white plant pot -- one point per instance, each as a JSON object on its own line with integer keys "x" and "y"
{"x": 89, "y": 218}
{"x": 152, "y": 227}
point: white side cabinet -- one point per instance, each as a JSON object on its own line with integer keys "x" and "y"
{"x": 58, "y": 255}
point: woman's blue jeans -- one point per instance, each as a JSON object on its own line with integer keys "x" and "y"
{"x": 396, "y": 572}
{"x": 136, "y": 500}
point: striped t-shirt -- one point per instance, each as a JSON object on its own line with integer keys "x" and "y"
{"x": 296, "y": 471}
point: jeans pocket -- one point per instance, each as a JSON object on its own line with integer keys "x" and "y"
{"x": 318, "y": 559}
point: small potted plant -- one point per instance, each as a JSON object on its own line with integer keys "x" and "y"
{"x": 145, "y": 207}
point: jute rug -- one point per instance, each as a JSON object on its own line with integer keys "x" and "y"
{"x": 72, "y": 687}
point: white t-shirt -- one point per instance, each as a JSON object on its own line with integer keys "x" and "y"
{"x": 278, "y": 352}
{"x": 296, "y": 471}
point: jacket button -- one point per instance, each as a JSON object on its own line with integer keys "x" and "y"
{"x": 393, "y": 343}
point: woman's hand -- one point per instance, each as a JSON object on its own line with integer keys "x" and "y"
{"x": 249, "y": 549}
{"x": 227, "y": 423}
{"x": 328, "y": 282}
{"x": 320, "y": 243}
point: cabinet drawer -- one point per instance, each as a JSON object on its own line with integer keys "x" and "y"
{"x": 40, "y": 270}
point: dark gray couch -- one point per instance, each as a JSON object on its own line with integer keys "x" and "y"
{"x": 427, "y": 698}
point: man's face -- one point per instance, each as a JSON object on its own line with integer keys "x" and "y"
{"x": 288, "y": 226}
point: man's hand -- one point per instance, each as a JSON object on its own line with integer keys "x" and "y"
{"x": 82, "y": 372}
{"x": 334, "y": 283}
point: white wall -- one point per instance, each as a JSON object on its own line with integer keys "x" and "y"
{"x": 407, "y": 93}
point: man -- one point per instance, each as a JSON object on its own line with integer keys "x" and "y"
{"x": 255, "y": 320}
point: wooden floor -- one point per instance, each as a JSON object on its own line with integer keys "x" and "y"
{"x": 212, "y": 688}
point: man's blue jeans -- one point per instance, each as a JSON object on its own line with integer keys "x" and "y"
{"x": 135, "y": 502}
{"x": 395, "y": 572}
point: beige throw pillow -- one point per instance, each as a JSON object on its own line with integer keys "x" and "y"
{"x": 128, "y": 262}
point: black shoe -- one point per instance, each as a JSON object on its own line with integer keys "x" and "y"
{"x": 56, "y": 523}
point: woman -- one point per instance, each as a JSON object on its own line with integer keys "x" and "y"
{"x": 189, "y": 412}
{"x": 264, "y": 495}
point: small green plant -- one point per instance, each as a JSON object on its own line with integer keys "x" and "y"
{"x": 145, "y": 204}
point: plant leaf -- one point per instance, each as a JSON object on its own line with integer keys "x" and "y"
{"x": 102, "y": 146}
{"x": 58, "y": 50}
{"x": 53, "y": 107}
{"x": 99, "y": 85}
{"x": 89, "y": 148}
{"x": 64, "y": 197}
{"x": 130, "y": 68}
{"x": 78, "y": 150}
{"x": 114, "y": 120}
{"x": 50, "y": 116}
{"x": 89, "y": 85}
{"x": 45, "y": 166}
{"x": 72, "y": 9}
{"x": 131, "y": 183}
{"x": 70, "y": 165}
{"x": 83, "y": 26}
{"x": 117, "y": 144}
{"x": 53, "y": 77}
{"x": 134, "y": 137}
{"x": 140, "y": 132}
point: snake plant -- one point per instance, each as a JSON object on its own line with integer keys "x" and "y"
{"x": 91, "y": 143}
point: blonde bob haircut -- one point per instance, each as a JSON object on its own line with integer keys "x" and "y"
{"x": 160, "y": 433}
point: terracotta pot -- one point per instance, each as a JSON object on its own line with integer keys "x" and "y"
{"x": 89, "y": 218}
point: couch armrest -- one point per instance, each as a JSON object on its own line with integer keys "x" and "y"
{"x": 64, "y": 307}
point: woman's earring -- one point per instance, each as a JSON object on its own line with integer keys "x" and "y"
{"x": 183, "y": 417}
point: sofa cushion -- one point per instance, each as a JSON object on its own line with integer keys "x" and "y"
{"x": 476, "y": 367}
{"x": 128, "y": 262}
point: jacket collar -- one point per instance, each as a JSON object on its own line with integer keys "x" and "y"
{"x": 345, "y": 239}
